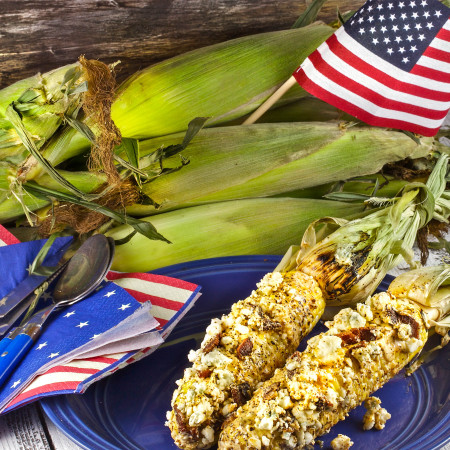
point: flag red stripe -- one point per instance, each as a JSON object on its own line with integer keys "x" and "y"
{"x": 101, "y": 359}
{"x": 444, "y": 34}
{"x": 159, "y": 301}
{"x": 58, "y": 369}
{"x": 361, "y": 114}
{"x": 160, "y": 279}
{"x": 438, "y": 54}
{"x": 370, "y": 95}
{"x": 7, "y": 237}
{"x": 432, "y": 74}
{"x": 367, "y": 69}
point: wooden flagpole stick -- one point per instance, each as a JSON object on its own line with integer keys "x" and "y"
{"x": 270, "y": 101}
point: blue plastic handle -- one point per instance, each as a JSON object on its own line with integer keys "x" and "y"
{"x": 4, "y": 343}
{"x": 13, "y": 354}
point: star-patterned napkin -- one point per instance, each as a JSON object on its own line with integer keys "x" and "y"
{"x": 123, "y": 321}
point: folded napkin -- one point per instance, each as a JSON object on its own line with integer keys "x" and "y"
{"x": 127, "y": 318}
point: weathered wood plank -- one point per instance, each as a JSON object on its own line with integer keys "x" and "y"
{"x": 38, "y": 36}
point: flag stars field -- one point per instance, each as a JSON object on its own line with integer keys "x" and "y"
{"x": 82, "y": 324}
{"x": 124, "y": 307}
{"x": 41, "y": 346}
{"x": 108, "y": 294}
{"x": 71, "y": 313}
{"x": 15, "y": 384}
{"x": 53, "y": 355}
{"x": 388, "y": 65}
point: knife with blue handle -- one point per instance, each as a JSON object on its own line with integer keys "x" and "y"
{"x": 14, "y": 347}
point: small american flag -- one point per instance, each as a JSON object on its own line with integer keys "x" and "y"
{"x": 389, "y": 65}
{"x": 169, "y": 298}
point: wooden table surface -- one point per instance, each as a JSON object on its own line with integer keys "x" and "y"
{"x": 38, "y": 36}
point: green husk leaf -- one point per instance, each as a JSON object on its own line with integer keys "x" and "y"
{"x": 36, "y": 267}
{"x": 126, "y": 239}
{"x": 82, "y": 128}
{"x": 310, "y": 14}
{"x": 131, "y": 149}
{"x": 413, "y": 136}
{"x": 80, "y": 89}
{"x": 194, "y": 127}
{"x": 144, "y": 228}
{"x": 441, "y": 244}
{"x": 343, "y": 17}
{"x": 28, "y": 142}
{"x": 347, "y": 197}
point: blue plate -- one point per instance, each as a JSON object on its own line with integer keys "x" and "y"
{"x": 127, "y": 410}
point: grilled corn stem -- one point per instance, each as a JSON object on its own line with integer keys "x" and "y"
{"x": 363, "y": 349}
{"x": 239, "y": 351}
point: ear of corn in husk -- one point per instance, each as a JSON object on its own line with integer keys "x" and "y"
{"x": 42, "y": 102}
{"x": 239, "y": 227}
{"x": 268, "y": 159}
{"x": 222, "y": 81}
{"x": 358, "y": 254}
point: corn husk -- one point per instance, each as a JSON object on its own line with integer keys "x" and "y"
{"x": 42, "y": 102}
{"x": 263, "y": 160}
{"x": 240, "y": 227}
{"x": 349, "y": 259}
{"x": 430, "y": 288}
{"x": 222, "y": 81}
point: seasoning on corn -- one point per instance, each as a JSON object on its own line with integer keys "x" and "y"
{"x": 339, "y": 368}
{"x": 238, "y": 353}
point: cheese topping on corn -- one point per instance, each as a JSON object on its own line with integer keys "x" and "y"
{"x": 375, "y": 414}
{"x": 337, "y": 371}
{"x": 341, "y": 442}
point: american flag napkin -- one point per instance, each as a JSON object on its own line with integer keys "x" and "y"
{"x": 389, "y": 65}
{"x": 76, "y": 349}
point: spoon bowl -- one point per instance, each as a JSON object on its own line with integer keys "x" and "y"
{"x": 85, "y": 271}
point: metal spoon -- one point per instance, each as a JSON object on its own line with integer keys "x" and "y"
{"x": 85, "y": 271}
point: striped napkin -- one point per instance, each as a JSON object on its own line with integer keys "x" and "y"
{"x": 166, "y": 298}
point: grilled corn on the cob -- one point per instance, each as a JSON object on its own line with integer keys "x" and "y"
{"x": 241, "y": 350}
{"x": 363, "y": 349}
